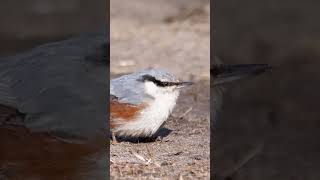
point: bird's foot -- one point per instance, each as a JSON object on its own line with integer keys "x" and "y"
{"x": 114, "y": 139}
{"x": 159, "y": 139}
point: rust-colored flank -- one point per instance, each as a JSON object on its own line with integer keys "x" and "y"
{"x": 27, "y": 155}
{"x": 123, "y": 112}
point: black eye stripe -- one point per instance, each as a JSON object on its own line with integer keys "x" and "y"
{"x": 148, "y": 77}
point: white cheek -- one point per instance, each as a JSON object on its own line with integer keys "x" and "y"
{"x": 151, "y": 88}
{"x": 155, "y": 91}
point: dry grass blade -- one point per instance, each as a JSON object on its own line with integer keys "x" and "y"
{"x": 186, "y": 112}
{"x": 140, "y": 157}
{"x": 147, "y": 161}
{"x": 180, "y": 177}
{"x": 152, "y": 159}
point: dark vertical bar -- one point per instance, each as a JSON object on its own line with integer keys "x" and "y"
{"x": 269, "y": 125}
{"x": 54, "y": 83}
{"x": 212, "y": 127}
{"x": 108, "y": 94}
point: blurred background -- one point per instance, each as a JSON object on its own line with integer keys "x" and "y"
{"x": 171, "y": 34}
{"x": 269, "y": 127}
{"x": 25, "y": 24}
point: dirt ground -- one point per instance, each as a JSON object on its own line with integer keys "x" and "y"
{"x": 174, "y": 35}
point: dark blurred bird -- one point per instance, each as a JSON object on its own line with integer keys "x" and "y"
{"x": 223, "y": 74}
{"x": 54, "y": 110}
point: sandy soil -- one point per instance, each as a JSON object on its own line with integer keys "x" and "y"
{"x": 174, "y": 35}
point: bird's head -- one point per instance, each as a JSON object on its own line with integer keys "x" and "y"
{"x": 223, "y": 74}
{"x": 160, "y": 82}
{"x": 227, "y": 73}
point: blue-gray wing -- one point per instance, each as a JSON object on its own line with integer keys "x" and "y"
{"x": 60, "y": 87}
{"x": 127, "y": 89}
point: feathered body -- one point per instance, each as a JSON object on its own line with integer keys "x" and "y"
{"x": 154, "y": 103}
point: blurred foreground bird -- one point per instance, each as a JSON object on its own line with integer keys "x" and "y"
{"x": 221, "y": 75}
{"x": 53, "y": 110}
{"x": 141, "y": 102}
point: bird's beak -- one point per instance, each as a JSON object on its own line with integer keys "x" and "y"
{"x": 184, "y": 84}
{"x": 227, "y": 73}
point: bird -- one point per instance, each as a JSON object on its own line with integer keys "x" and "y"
{"x": 141, "y": 102}
{"x": 221, "y": 75}
{"x": 54, "y": 110}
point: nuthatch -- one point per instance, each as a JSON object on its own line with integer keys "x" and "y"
{"x": 223, "y": 74}
{"x": 141, "y": 102}
{"x": 55, "y": 98}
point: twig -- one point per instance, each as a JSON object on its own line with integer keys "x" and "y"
{"x": 140, "y": 157}
{"x": 152, "y": 159}
{"x": 180, "y": 176}
{"x": 145, "y": 160}
{"x": 185, "y": 113}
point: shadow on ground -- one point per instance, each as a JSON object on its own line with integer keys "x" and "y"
{"x": 163, "y": 132}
